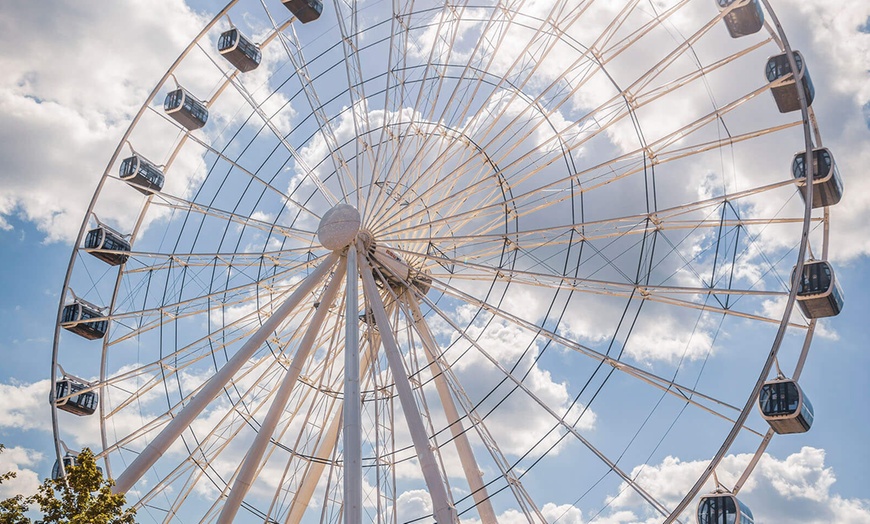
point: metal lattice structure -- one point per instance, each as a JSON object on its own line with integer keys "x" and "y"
{"x": 561, "y": 240}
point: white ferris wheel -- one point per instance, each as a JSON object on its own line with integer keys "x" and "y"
{"x": 409, "y": 261}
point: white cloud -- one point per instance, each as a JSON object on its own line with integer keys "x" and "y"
{"x": 19, "y": 460}
{"x": 413, "y": 504}
{"x": 67, "y": 96}
{"x": 837, "y": 52}
{"x": 796, "y": 489}
{"x": 507, "y": 343}
{"x": 30, "y": 399}
{"x": 561, "y": 514}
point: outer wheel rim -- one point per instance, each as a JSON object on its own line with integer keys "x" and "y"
{"x": 84, "y": 228}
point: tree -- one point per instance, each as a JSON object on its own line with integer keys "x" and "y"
{"x": 82, "y": 497}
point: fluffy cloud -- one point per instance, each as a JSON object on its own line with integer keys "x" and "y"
{"x": 30, "y": 400}
{"x": 413, "y": 504}
{"x": 836, "y": 50}
{"x": 797, "y": 489}
{"x": 563, "y": 514}
{"x": 18, "y": 460}
{"x": 67, "y": 96}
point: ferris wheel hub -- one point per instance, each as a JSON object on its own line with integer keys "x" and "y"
{"x": 338, "y": 227}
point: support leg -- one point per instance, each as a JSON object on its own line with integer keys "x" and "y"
{"x": 251, "y": 464}
{"x": 352, "y": 418}
{"x": 444, "y": 511}
{"x": 460, "y": 439}
{"x": 315, "y": 469}
{"x": 218, "y": 381}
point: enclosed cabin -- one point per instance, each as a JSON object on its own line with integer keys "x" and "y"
{"x": 786, "y": 93}
{"x": 238, "y": 50}
{"x": 723, "y": 508}
{"x": 785, "y": 407}
{"x": 107, "y": 245}
{"x": 819, "y": 294}
{"x": 141, "y": 174}
{"x": 304, "y": 10}
{"x": 827, "y": 184}
{"x": 69, "y": 460}
{"x": 73, "y": 397}
{"x": 76, "y": 318}
{"x": 744, "y": 17}
{"x": 185, "y": 109}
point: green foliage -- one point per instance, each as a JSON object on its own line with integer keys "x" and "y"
{"x": 12, "y": 511}
{"x": 83, "y": 497}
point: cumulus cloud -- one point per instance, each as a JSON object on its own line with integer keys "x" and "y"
{"x": 67, "y": 97}
{"x": 413, "y": 504}
{"x": 508, "y": 344}
{"x": 30, "y": 399}
{"x": 798, "y": 486}
{"x": 836, "y": 50}
{"x": 563, "y": 514}
{"x": 54, "y": 92}
{"x": 19, "y": 460}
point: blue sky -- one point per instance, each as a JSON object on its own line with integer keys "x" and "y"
{"x": 71, "y": 90}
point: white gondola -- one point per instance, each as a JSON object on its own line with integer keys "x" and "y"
{"x": 69, "y": 460}
{"x": 107, "y": 245}
{"x": 744, "y": 17}
{"x": 75, "y": 318}
{"x": 304, "y": 10}
{"x": 786, "y": 94}
{"x": 69, "y": 396}
{"x": 827, "y": 184}
{"x": 723, "y": 508}
{"x": 185, "y": 109}
{"x": 238, "y": 50}
{"x": 141, "y": 174}
{"x": 785, "y": 407}
{"x": 819, "y": 294}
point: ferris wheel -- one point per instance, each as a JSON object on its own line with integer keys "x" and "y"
{"x": 418, "y": 261}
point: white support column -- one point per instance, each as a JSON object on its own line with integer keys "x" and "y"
{"x": 460, "y": 439}
{"x": 330, "y": 437}
{"x": 218, "y": 381}
{"x": 352, "y": 430}
{"x": 444, "y": 511}
{"x": 254, "y": 456}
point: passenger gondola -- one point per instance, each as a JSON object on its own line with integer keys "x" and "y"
{"x": 185, "y": 109}
{"x": 107, "y": 245}
{"x": 238, "y": 50}
{"x": 827, "y": 184}
{"x": 723, "y": 508}
{"x": 744, "y": 19}
{"x": 785, "y": 407}
{"x": 68, "y": 398}
{"x": 69, "y": 460}
{"x": 786, "y": 94}
{"x": 819, "y": 294}
{"x": 304, "y": 10}
{"x": 141, "y": 174}
{"x": 75, "y": 318}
